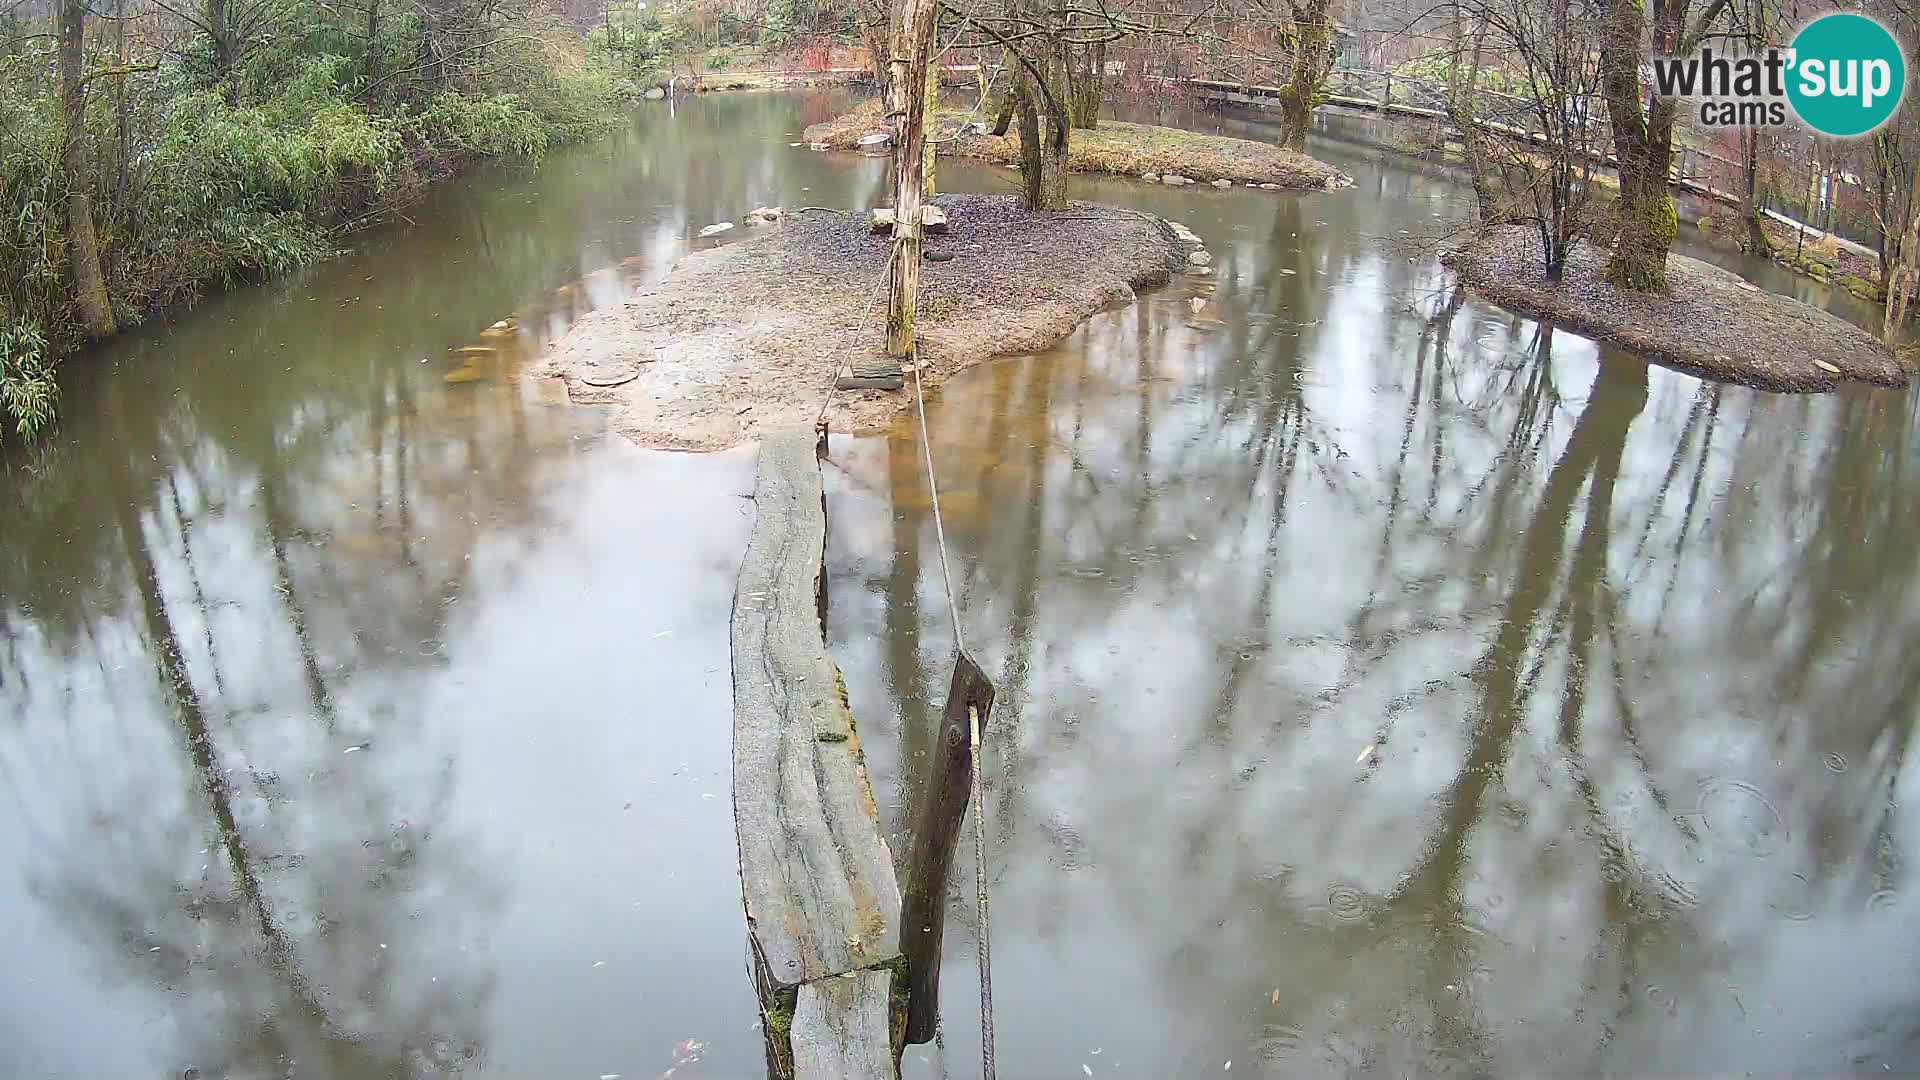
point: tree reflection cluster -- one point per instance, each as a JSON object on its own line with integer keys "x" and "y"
{"x": 1630, "y": 647}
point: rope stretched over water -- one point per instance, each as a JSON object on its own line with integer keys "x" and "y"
{"x": 833, "y": 374}
{"x": 983, "y": 947}
{"x": 983, "y": 951}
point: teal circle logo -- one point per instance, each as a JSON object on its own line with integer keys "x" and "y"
{"x": 1848, "y": 75}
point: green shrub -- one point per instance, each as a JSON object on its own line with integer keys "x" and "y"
{"x": 579, "y": 105}
{"x": 498, "y": 125}
{"x": 28, "y": 390}
{"x": 201, "y": 182}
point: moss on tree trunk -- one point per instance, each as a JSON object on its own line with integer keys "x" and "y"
{"x": 1648, "y": 225}
{"x": 1312, "y": 59}
{"x": 1643, "y": 137}
{"x": 1089, "y": 86}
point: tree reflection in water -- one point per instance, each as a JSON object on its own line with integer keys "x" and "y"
{"x": 1634, "y": 644}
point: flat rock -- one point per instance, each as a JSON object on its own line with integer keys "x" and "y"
{"x": 1200, "y": 258}
{"x": 874, "y": 140}
{"x": 717, "y": 228}
{"x": 1174, "y": 180}
{"x": 1223, "y": 182}
{"x": 880, "y": 373}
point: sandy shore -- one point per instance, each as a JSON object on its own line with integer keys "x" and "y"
{"x": 749, "y": 335}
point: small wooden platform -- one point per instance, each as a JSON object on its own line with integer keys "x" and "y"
{"x": 821, "y": 897}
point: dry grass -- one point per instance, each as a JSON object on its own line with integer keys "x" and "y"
{"x": 1113, "y": 147}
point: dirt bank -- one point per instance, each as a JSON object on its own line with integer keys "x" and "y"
{"x": 1113, "y": 147}
{"x": 749, "y": 335}
{"x": 1711, "y": 322}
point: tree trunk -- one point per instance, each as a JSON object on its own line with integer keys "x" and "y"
{"x": 1902, "y": 279}
{"x": 1886, "y": 246}
{"x": 1643, "y": 147}
{"x": 1313, "y": 37}
{"x": 1029, "y": 111}
{"x": 1043, "y": 147}
{"x": 220, "y": 42}
{"x": 907, "y": 82}
{"x": 83, "y": 244}
{"x": 1473, "y": 138}
{"x": 931, "y": 110}
{"x": 1045, "y": 116}
{"x": 373, "y": 49}
{"x": 1002, "y": 109}
{"x": 1088, "y": 89}
{"x": 122, "y": 124}
{"x": 1755, "y": 241}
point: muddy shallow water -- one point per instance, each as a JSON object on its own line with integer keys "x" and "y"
{"x": 1389, "y": 686}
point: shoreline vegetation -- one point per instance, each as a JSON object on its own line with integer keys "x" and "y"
{"x": 759, "y": 328}
{"x": 1710, "y": 322}
{"x": 153, "y": 151}
{"x": 1139, "y": 150}
{"x": 177, "y": 152}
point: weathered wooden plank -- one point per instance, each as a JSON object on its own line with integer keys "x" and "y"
{"x": 840, "y": 1028}
{"x": 821, "y": 896}
{"x": 943, "y": 807}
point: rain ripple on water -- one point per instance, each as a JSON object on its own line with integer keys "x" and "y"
{"x": 1346, "y": 903}
{"x": 1738, "y": 817}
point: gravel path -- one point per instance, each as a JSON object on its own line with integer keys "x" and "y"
{"x": 1711, "y": 322}
{"x": 748, "y": 335}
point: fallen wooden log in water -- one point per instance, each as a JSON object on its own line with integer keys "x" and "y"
{"x": 936, "y": 829}
{"x": 822, "y": 901}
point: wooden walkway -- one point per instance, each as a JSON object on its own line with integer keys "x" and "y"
{"x": 822, "y": 902}
{"x": 1259, "y": 97}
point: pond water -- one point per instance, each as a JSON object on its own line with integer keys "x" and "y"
{"x": 1389, "y": 685}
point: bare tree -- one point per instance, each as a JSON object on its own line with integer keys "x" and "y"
{"x": 83, "y": 242}
{"x": 909, "y": 100}
{"x": 1532, "y": 153}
